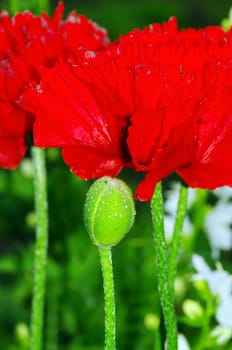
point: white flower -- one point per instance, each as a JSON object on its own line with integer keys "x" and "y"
{"x": 220, "y": 284}
{"x": 224, "y": 193}
{"x": 171, "y": 202}
{"x": 219, "y": 281}
{"x": 224, "y": 312}
{"x": 200, "y": 265}
{"x": 182, "y": 342}
{"x": 217, "y": 224}
{"x": 222, "y": 334}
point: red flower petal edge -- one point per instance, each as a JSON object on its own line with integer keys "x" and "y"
{"x": 157, "y": 100}
{"x": 29, "y": 46}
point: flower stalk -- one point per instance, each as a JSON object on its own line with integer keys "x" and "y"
{"x": 165, "y": 291}
{"x": 200, "y": 211}
{"x": 38, "y": 157}
{"x": 109, "y": 297}
{"x": 176, "y": 237}
{"x": 109, "y": 213}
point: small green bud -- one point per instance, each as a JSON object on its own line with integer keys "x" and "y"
{"x": 193, "y": 310}
{"x": 179, "y": 287}
{"x": 26, "y": 168}
{"x": 202, "y": 288}
{"x": 109, "y": 211}
{"x": 22, "y": 332}
{"x": 152, "y": 321}
{"x": 31, "y": 219}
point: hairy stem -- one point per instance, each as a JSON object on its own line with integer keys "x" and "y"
{"x": 108, "y": 282}
{"x": 166, "y": 294}
{"x": 176, "y": 238}
{"x": 38, "y": 157}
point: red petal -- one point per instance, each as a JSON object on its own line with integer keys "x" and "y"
{"x": 75, "y": 119}
{"x": 143, "y": 138}
{"x": 212, "y": 167}
{"x": 11, "y": 152}
{"x": 90, "y": 164}
{"x": 146, "y": 188}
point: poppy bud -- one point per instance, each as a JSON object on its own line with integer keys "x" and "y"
{"x": 109, "y": 211}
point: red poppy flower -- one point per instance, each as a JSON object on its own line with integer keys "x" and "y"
{"x": 157, "y": 100}
{"x": 29, "y": 45}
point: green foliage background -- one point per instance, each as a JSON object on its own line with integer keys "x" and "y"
{"x": 74, "y": 302}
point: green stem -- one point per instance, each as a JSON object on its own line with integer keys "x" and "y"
{"x": 176, "y": 238}
{"x": 166, "y": 295}
{"x": 108, "y": 282}
{"x": 200, "y": 211}
{"x": 52, "y": 305}
{"x": 38, "y": 157}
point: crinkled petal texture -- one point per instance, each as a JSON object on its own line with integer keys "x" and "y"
{"x": 157, "y": 100}
{"x": 212, "y": 165}
{"x": 90, "y": 119}
{"x": 14, "y": 124}
{"x": 12, "y": 131}
{"x": 184, "y": 121}
{"x": 190, "y": 134}
{"x": 29, "y": 46}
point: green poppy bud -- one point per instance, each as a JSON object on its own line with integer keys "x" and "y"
{"x": 109, "y": 211}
